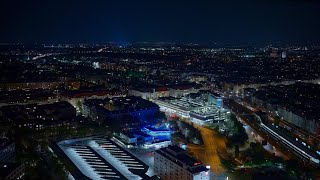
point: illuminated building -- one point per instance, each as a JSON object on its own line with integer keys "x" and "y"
{"x": 96, "y": 65}
{"x": 156, "y": 132}
{"x": 138, "y": 138}
{"x": 203, "y": 108}
{"x": 120, "y": 108}
{"x": 207, "y": 115}
{"x": 215, "y": 99}
{"x": 296, "y": 104}
{"x": 148, "y": 137}
{"x": 283, "y": 54}
{"x": 172, "y": 162}
{"x": 177, "y": 106}
{"x": 149, "y": 93}
{"x": 180, "y": 90}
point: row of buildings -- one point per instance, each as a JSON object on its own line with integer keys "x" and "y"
{"x": 296, "y": 104}
{"x": 131, "y": 111}
{"x": 9, "y": 168}
{"x": 155, "y": 92}
{"x": 38, "y": 117}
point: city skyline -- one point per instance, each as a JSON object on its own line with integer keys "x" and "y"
{"x": 171, "y": 90}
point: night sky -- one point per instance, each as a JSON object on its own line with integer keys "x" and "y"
{"x": 223, "y": 21}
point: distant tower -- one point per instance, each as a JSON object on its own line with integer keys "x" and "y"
{"x": 283, "y": 54}
{"x": 28, "y": 58}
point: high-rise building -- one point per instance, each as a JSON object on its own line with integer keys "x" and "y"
{"x": 173, "y": 162}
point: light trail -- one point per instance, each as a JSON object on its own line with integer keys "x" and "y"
{"x": 292, "y": 146}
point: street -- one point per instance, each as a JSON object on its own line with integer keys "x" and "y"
{"x": 208, "y": 153}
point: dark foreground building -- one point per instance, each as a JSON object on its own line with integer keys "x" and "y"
{"x": 11, "y": 170}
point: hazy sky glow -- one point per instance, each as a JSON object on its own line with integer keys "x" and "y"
{"x": 238, "y": 21}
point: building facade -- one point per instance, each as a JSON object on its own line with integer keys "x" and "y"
{"x": 172, "y": 162}
{"x": 7, "y": 150}
{"x": 119, "y": 108}
{"x": 149, "y": 94}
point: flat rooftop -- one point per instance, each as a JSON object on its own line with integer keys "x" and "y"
{"x": 181, "y": 103}
{"x": 181, "y": 155}
{"x": 152, "y": 128}
{"x": 102, "y": 158}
